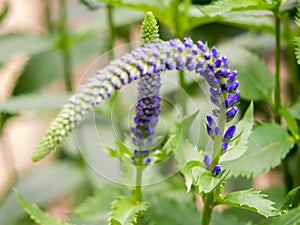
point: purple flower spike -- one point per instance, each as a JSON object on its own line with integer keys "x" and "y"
{"x": 216, "y": 170}
{"x": 218, "y": 130}
{"x": 206, "y": 160}
{"x": 230, "y": 132}
{"x": 214, "y": 52}
{"x": 232, "y": 112}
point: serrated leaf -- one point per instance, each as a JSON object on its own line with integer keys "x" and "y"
{"x": 268, "y": 145}
{"x": 244, "y": 127}
{"x": 207, "y": 182}
{"x": 97, "y": 207}
{"x": 33, "y": 102}
{"x": 222, "y": 6}
{"x": 297, "y": 49}
{"x": 291, "y": 122}
{"x": 251, "y": 200}
{"x": 62, "y": 178}
{"x": 290, "y": 218}
{"x": 124, "y": 211}
{"x": 38, "y": 215}
{"x": 294, "y": 109}
{"x": 256, "y": 80}
{"x": 290, "y": 199}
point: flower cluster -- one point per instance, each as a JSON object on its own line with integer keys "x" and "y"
{"x": 224, "y": 94}
{"x": 151, "y": 59}
{"x": 147, "y": 111}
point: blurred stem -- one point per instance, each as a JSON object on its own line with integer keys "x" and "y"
{"x": 208, "y": 200}
{"x": 297, "y": 180}
{"x": 277, "y": 63}
{"x": 112, "y": 31}
{"x": 65, "y": 48}
{"x": 291, "y": 60}
{"x": 48, "y": 21}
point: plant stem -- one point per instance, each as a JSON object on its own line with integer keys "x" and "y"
{"x": 112, "y": 31}
{"x": 63, "y": 31}
{"x": 208, "y": 207}
{"x": 277, "y": 63}
{"x": 137, "y": 195}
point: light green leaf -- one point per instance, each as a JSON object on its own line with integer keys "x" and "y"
{"x": 13, "y": 44}
{"x": 294, "y": 110}
{"x": 223, "y": 6}
{"x": 244, "y": 127}
{"x": 268, "y": 145}
{"x": 207, "y": 182}
{"x": 180, "y": 145}
{"x": 62, "y": 179}
{"x": 38, "y": 215}
{"x": 256, "y": 80}
{"x": 290, "y": 199}
{"x": 251, "y": 200}
{"x": 33, "y": 102}
{"x": 124, "y": 211}
{"x": 291, "y": 122}
{"x": 291, "y": 218}
{"x": 97, "y": 207}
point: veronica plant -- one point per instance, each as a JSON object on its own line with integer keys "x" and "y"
{"x": 147, "y": 63}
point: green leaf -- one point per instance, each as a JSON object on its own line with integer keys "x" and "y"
{"x": 290, "y": 199}
{"x": 208, "y": 182}
{"x": 97, "y": 207}
{"x": 170, "y": 211}
{"x": 13, "y": 44}
{"x": 4, "y": 11}
{"x": 62, "y": 178}
{"x": 256, "y": 80}
{"x": 39, "y": 72}
{"x": 297, "y": 49}
{"x": 223, "y": 6}
{"x": 251, "y": 200}
{"x": 290, "y": 218}
{"x": 124, "y": 211}
{"x": 243, "y": 127}
{"x": 33, "y": 102}
{"x": 268, "y": 145}
{"x": 38, "y": 215}
{"x": 182, "y": 148}
{"x": 294, "y": 110}
{"x": 291, "y": 122}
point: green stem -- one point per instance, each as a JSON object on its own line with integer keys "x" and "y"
{"x": 63, "y": 31}
{"x": 112, "y": 31}
{"x": 290, "y": 46}
{"x": 297, "y": 180}
{"x": 137, "y": 194}
{"x": 277, "y": 63}
{"x": 208, "y": 207}
{"x": 182, "y": 98}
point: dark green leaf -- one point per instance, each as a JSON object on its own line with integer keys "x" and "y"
{"x": 290, "y": 199}
{"x": 39, "y": 72}
{"x": 124, "y": 211}
{"x": 251, "y": 200}
{"x": 256, "y": 80}
{"x": 268, "y": 145}
{"x": 33, "y": 102}
{"x": 223, "y": 6}
{"x": 38, "y": 215}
